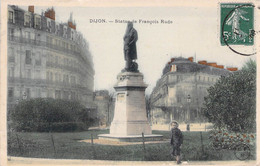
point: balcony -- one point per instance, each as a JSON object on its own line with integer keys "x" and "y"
{"x": 30, "y": 81}
{"x": 42, "y": 43}
{"x": 26, "y": 80}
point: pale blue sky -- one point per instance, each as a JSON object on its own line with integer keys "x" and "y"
{"x": 194, "y": 31}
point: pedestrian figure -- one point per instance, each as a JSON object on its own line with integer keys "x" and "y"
{"x": 188, "y": 127}
{"x": 176, "y": 141}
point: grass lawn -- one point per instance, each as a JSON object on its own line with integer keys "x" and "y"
{"x": 68, "y": 146}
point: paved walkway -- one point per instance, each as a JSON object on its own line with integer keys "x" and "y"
{"x": 20, "y": 161}
{"x": 183, "y": 127}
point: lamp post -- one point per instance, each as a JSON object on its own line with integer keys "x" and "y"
{"x": 188, "y": 113}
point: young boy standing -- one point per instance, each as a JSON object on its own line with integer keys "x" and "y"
{"x": 176, "y": 140}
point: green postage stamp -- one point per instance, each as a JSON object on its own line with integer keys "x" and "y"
{"x": 237, "y": 24}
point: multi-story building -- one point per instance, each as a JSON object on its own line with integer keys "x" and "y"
{"x": 180, "y": 92}
{"x": 47, "y": 58}
{"x": 105, "y": 104}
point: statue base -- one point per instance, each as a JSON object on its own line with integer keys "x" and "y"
{"x": 130, "y": 118}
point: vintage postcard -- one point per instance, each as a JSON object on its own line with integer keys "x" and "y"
{"x": 129, "y": 83}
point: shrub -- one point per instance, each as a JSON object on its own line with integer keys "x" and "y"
{"x": 46, "y": 114}
{"x": 62, "y": 127}
{"x": 231, "y": 102}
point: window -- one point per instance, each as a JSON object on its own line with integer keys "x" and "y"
{"x": 11, "y": 16}
{"x": 57, "y": 94}
{"x": 38, "y": 60}
{"x": 38, "y": 92}
{"x": 11, "y": 33}
{"x": 27, "y": 20}
{"x": 11, "y": 72}
{"x": 72, "y": 35}
{"x": 48, "y": 75}
{"x": 65, "y": 79}
{"x": 73, "y": 80}
{"x": 65, "y": 32}
{"x": 48, "y": 93}
{"x": 37, "y": 22}
{"x": 28, "y": 73}
{"x": 56, "y": 60}
{"x": 49, "y": 39}
{"x": 10, "y": 92}
{"x": 73, "y": 95}
{"x": 28, "y": 59}
{"x": 11, "y": 57}
{"x": 51, "y": 58}
{"x": 59, "y": 77}
{"x": 178, "y": 99}
{"x": 66, "y": 95}
{"x": 38, "y": 37}
{"x": 179, "y": 78}
{"x": 48, "y": 25}
{"x": 56, "y": 77}
{"x": 38, "y": 74}
{"x": 27, "y": 35}
{"x": 57, "y": 29}
{"x": 28, "y": 93}
{"x": 51, "y": 77}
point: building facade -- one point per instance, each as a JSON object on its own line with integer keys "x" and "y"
{"x": 179, "y": 93}
{"x": 105, "y": 104}
{"x": 47, "y": 58}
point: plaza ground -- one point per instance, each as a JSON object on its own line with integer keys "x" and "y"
{"x": 78, "y": 145}
{"x": 183, "y": 127}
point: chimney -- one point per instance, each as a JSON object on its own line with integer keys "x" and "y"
{"x": 213, "y": 64}
{"x": 70, "y": 22}
{"x": 50, "y": 13}
{"x": 190, "y": 59}
{"x": 220, "y": 66}
{"x": 71, "y": 25}
{"x": 31, "y": 9}
{"x": 232, "y": 68}
{"x": 172, "y": 59}
{"x": 202, "y": 62}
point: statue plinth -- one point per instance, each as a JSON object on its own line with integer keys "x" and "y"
{"x": 130, "y": 119}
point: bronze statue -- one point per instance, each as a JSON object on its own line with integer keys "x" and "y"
{"x": 130, "y": 52}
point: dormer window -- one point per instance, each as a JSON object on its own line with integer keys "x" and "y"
{"x": 37, "y": 21}
{"x": 65, "y": 32}
{"x": 72, "y": 35}
{"x": 27, "y": 19}
{"x": 11, "y": 16}
{"x": 48, "y": 25}
{"x": 57, "y": 29}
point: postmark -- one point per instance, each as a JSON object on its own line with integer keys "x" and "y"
{"x": 237, "y": 26}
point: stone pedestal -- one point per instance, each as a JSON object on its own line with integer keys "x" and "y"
{"x": 130, "y": 119}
